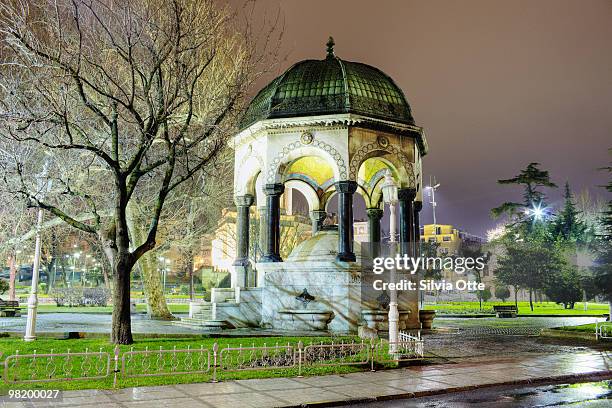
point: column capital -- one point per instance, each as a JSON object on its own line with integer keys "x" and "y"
{"x": 274, "y": 189}
{"x": 418, "y": 206}
{"x": 318, "y": 214}
{"x": 246, "y": 200}
{"x": 375, "y": 213}
{"x": 346, "y": 186}
{"x": 406, "y": 194}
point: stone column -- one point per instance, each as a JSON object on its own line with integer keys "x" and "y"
{"x": 272, "y": 249}
{"x": 418, "y": 206}
{"x": 345, "y": 189}
{"x": 374, "y": 217}
{"x": 243, "y": 204}
{"x": 241, "y": 263}
{"x": 263, "y": 228}
{"x": 409, "y": 300}
{"x": 317, "y": 217}
{"x": 406, "y": 215}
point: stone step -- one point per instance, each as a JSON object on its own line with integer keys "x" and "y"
{"x": 202, "y": 316}
{"x": 204, "y": 324}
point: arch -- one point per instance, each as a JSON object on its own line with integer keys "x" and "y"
{"x": 307, "y": 191}
{"x": 245, "y": 178}
{"x": 404, "y": 167}
{"x": 331, "y": 192}
{"x": 298, "y": 149}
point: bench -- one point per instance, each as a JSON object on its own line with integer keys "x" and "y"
{"x": 10, "y": 308}
{"x": 505, "y": 311}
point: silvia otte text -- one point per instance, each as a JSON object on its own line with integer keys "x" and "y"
{"x": 428, "y": 284}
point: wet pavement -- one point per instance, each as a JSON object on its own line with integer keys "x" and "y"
{"x": 590, "y": 394}
{"x": 89, "y": 323}
{"x": 100, "y": 323}
{"x": 404, "y": 385}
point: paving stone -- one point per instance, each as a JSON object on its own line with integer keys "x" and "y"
{"x": 308, "y": 395}
{"x": 273, "y": 384}
{"x": 198, "y": 389}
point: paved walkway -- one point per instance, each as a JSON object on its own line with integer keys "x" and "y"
{"x": 399, "y": 383}
{"x": 100, "y": 323}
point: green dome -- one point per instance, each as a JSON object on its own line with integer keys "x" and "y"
{"x": 329, "y": 86}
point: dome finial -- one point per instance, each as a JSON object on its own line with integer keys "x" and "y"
{"x": 330, "y": 47}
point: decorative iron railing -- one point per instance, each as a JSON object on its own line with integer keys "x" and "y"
{"x": 28, "y": 368}
{"x": 150, "y": 363}
{"x": 603, "y": 330}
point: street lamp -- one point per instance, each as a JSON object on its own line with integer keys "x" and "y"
{"x": 164, "y": 270}
{"x": 43, "y": 187}
{"x": 537, "y": 212}
{"x": 432, "y": 187}
{"x": 389, "y": 190}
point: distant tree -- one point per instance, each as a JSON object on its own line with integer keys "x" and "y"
{"x": 474, "y": 250}
{"x": 484, "y": 295}
{"x": 502, "y": 292}
{"x": 567, "y": 225}
{"x": 564, "y": 287}
{"x": 603, "y": 266}
{"x": 529, "y": 265}
{"x": 431, "y": 250}
{"x": 532, "y": 178}
{"x": 4, "y": 286}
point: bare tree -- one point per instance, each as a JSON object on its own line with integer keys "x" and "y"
{"x": 118, "y": 96}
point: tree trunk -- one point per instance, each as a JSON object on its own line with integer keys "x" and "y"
{"x": 152, "y": 287}
{"x": 13, "y": 273}
{"x": 516, "y": 297}
{"x": 531, "y": 299}
{"x": 121, "y": 331}
{"x": 105, "y": 276}
{"x": 151, "y": 278}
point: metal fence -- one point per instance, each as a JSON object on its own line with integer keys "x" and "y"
{"x": 208, "y": 362}
{"x": 28, "y": 368}
{"x": 603, "y": 330}
{"x": 149, "y": 363}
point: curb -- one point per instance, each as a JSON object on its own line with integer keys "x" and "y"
{"x": 568, "y": 378}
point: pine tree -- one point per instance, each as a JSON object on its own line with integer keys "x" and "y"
{"x": 532, "y": 178}
{"x": 603, "y": 266}
{"x": 568, "y": 226}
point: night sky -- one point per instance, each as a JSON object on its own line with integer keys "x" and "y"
{"x": 495, "y": 84}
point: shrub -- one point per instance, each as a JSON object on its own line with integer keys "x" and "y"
{"x": 4, "y": 286}
{"x": 80, "y": 296}
{"x": 502, "y": 292}
{"x": 95, "y": 296}
{"x": 485, "y": 294}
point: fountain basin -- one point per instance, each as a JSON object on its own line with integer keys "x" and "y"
{"x": 304, "y": 319}
{"x": 379, "y": 319}
{"x": 426, "y": 317}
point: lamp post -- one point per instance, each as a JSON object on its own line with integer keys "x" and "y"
{"x": 43, "y": 187}
{"x": 432, "y": 187}
{"x": 389, "y": 190}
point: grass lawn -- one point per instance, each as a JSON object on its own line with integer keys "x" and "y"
{"x": 41, "y": 367}
{"x": 584, "y": 328}
{"x": 544, "y": 308}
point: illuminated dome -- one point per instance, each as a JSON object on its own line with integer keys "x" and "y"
{"x": 330, "y": 86}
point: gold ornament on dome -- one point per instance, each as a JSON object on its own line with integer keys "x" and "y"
{"x": 382, "y": 141}
{"x": 306, "y": 138}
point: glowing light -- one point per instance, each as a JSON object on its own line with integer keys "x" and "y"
{"x": 538, "y": 212}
